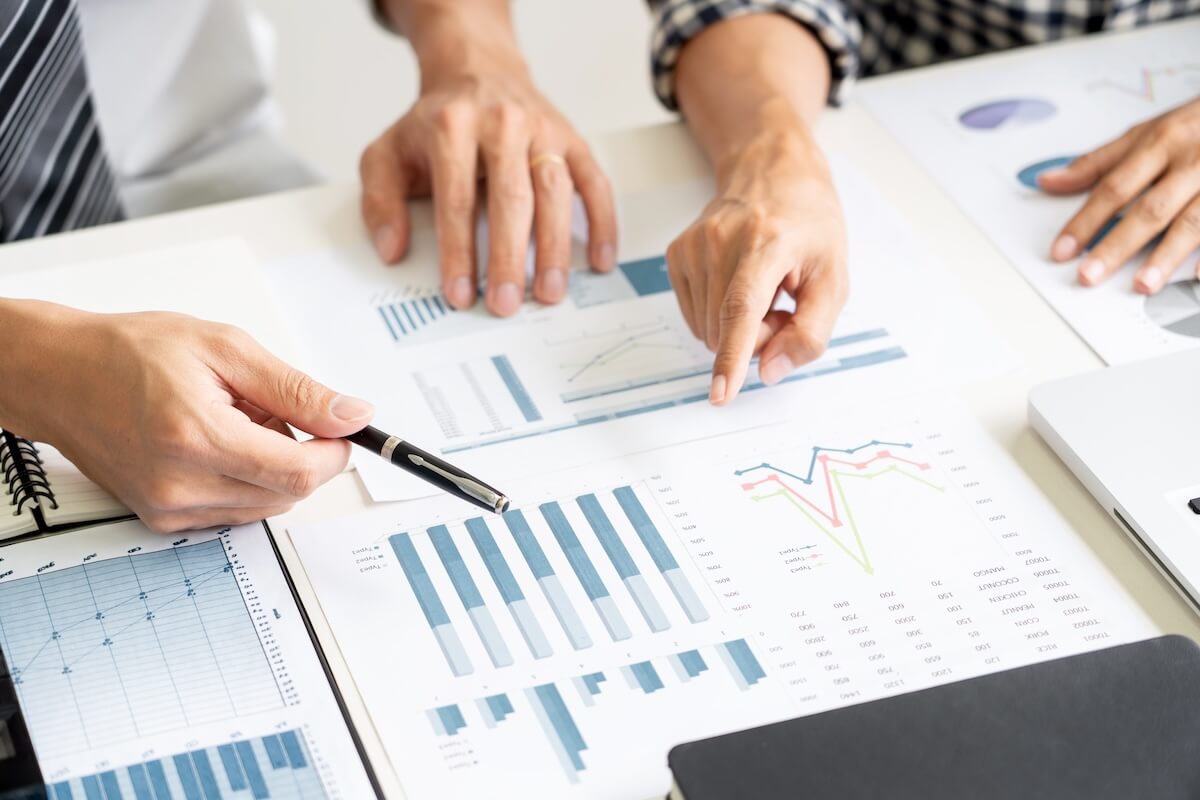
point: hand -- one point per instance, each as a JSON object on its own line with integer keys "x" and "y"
{"x": 479, "y": 116}
{"x": 1156, "y": 167}
{"x": 184, "y": 420}
{"x": 774, "y": 226}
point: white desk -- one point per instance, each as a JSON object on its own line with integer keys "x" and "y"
{"x": 297, "y": 222}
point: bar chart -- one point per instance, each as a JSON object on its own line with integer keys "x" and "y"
{"x": 403, "y": 318}
{"x": 559, "y": 592}
{"x": 564, "y": 728}
{"x": 275, "y": 766}
{"x": 170, "y": 628}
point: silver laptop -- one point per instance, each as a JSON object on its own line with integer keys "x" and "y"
{"x": 1131, "y": 434}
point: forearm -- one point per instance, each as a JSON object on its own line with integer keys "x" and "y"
{"x": 457, "y": 36}
{"x": 37, "y": 334}
{"x": 750, "y": 76}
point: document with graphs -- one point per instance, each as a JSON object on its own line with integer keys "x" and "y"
{"x": 170, "y": 668}
{"x": 865, "y": 548}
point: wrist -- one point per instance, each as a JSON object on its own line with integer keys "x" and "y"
{"x": 461, "y": 38}
{"x": 775, "y": 141}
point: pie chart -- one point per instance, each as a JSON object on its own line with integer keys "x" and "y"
{"x": 1000, "y": 113}
{"x": 1029, "y": 175}
{"x": 1177, "y": 308}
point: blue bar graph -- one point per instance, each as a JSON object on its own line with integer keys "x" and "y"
{"x": 233, "y": 771}
{"x": 406, "y": 317}
{"x": 742, "y": 665}
{"x": 468, "y": 592}
{"x": 516, "y": 388}
{"x": 588, "y": 687}
{"x": 647, "y": 276}
{"x": 646, "y": 676}
{"x": 652, "y": 540}
{"x": 593, "y": 585}
{"x": 628, "y": 571}
{"x": 510, "y": 590}
{"x": 547, "y": 581}
{"x": 431, "y": 604}
{"x": 494, "y": 709}
{"x": 690, "y": 663}
{"x": 560, "y": 728}
{"x": 447, "y": 720}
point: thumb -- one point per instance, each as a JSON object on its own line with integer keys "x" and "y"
{"x": 285, "y": 392}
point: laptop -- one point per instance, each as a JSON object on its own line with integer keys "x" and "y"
{"x": 1131, "y": 434}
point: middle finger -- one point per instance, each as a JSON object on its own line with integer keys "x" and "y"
{"x": 510, "y": 213}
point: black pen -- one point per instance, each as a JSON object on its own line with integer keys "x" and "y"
{"x": 429, "y": 467}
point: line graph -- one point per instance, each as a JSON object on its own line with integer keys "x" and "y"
{"x": 1146, "y": 85}
{"x": 118, "y": 648}
{"x": 832, "y": 509}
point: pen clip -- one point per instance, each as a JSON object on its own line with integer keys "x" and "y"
{"x": 482, "y": 493}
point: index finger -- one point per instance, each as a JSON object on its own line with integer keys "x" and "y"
{"x": 1085, "y": 171}
{"x": 264, "y": 457}
{"x": 747, "y": 300}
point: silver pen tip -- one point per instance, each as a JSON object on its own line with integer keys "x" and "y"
{"x": 501, "y": 504}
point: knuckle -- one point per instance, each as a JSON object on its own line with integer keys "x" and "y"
{"x": 1189, "y": 221}
{"x": 1155, "y": 209}
{"x": 451, "y": 118}
{"x": 458, "y": 201}
{"x": 1112, "y": 190}
{"x": 552, "y": 179}
{"x": 302, "y": 480}
{"x": 512, "y": 191}
{"x": 808, "y": 345}
{"x": 159, "y": 523}
{"x": 508, "y": 120}
{"x": 166, "y": 495}
{"x": 299, "y": 389}
{"x": 737, "y": 304}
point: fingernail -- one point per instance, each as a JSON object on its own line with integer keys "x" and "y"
{"x": 1149, "y": 280}
{"x": 716, "y": 392}
{"x": 386, "y": 242}
{"x": 1065, "y": 247}
{"x": 348, "y": 409}
{"x": 554, "y": 284}
{"x": 1091, "y": 271}
{"x": 608, "y": 257}
{"x": 506, "y": 299}
{"x": 459, "y": 293}
{"x": 776, "y": 369}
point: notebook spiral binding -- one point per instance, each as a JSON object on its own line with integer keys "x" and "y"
{"x": 24, "y": 474}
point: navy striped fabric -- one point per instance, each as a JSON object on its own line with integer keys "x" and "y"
{"x": 54, "y": 174}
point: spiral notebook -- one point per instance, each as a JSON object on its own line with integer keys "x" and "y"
{"x": 45, "y": 492}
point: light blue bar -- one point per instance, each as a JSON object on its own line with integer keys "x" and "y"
{"x": 418, "y": 578}
{"x": 612, "y": 544}
{"x": 391, "y": 330}
{"x": 62, "y": 791}
{"x": 254, "y": 776}
{"x": 233, "y": 768}
{"x": 416, "y": 307}
{"x": 744, "y": 658}
{"x": 489, "y": 634}
{"x": 517, "y": 389}
{"x": 187, "y": 777}
{"x": 647, "y": 603}
{"x": 112, "y": 789}
{"x": 429, "y": 309}
{"x": 564, "y": 724}
{"x": 294, "y": 750}
{"x": 158, "y": 779}
{"x": 576, "y": 555}
{"x": 693, "y": 662}
{"x": 593, "y": 681}
{"x": 435, "y": 719}
{"x": 681, "y": 587}
{"x": 141, "y": 783}
{"x": 91, "y": 788}
{"x": 647, "y": 276}
{"x": 567, "y": 760}
{"x": 565, "y": 612}
{"x": 275, "y": 754}
{"x": 861, "y": 336}
{"x": 610, "y": 615}
{"x": 452, "y": 719}
{"x": 497, "y": 566}
{"x": 645, "y": 528}
{"x": 456, "y": 568}
{"x": 500, "y": 706}
{"x": 530, "y": 628}
{"x": 528, "y": 544}
{"x": 647, "y": 676}
{"x": 412, "y": 323}
{"x": 205, "y": 775}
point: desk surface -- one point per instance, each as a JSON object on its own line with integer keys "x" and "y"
{"x": 298, "y": 222}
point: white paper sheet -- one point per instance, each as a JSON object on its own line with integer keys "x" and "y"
{"x": 614, "y": 368}
{"x": 139, "y": 658}
{"x": 732, "y": 581}
{"x": 982, "y": 128}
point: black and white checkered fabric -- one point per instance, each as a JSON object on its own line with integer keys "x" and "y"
{"x": 868, "y": 37}
{"x": 54, "y": 174}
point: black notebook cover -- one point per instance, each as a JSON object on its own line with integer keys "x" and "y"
{"x": 1123, "y": 722}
